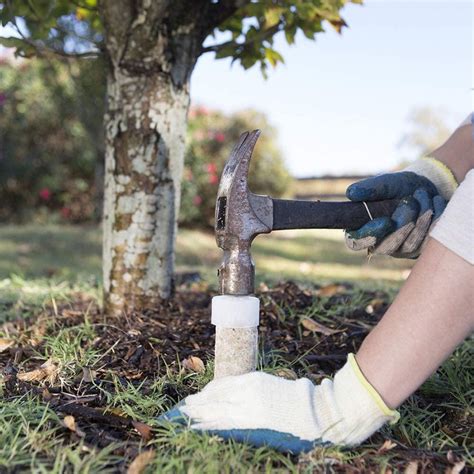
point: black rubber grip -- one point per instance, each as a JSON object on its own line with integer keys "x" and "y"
{"x": 291, "y": 214}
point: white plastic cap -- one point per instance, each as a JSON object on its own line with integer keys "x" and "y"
{"x": 235, "y": 311}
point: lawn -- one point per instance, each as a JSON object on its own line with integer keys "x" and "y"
{"x": 81, "y": 391}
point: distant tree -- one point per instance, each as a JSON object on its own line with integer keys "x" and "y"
{"x": 427, "y": 131}
{"x": 151, "y": 48}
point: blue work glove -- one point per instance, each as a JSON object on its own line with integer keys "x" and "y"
{"x": 287, "y": 415}
{"x": 423, "y": 189}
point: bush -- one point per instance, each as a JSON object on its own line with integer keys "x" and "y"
{"x": 211, "y": 136}
{"x": 51, "y": 144}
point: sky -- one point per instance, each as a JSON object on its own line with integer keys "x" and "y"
{"x": 341, "y": 103}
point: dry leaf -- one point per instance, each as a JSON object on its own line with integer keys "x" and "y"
{"x": 457, "y": 468}
{"x": 48, "y": 371}
{"x": 386, "y": 446}
{"x": 144, "y": 430}
{"x": 330, "y": 290}
{"x": 5, "y": 344}
{"x": 47, "y": 396}
{"x": 313, "y": 326}
{"x": 374, "y": 306}
{"x": 286, "y": 374}
{"x": 139, "y": 464}
{"x": 88, "y": 375}
{"x": 70, "y": 423}
{"x": 412, "y": 468}
{"x": 195, "y": 364}
{"x": 117, "y": 411}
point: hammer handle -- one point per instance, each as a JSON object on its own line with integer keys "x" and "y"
{"x": 292, "y": 214}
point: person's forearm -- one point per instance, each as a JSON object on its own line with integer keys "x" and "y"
{"x": 431, "y": 315}
{"x": 457, "y": 153}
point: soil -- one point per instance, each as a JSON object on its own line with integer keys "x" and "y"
{"x": 144, "y": 346}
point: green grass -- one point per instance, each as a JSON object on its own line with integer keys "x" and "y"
{"x": 46, "y": 269}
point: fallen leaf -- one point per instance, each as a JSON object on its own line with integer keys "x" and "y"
{"x": 411, "y": 468}
{"x": 117, "y": 411}
{"x": 70, "y": 423}
{"x": 374, "y": 306}
{"x": 47, "y": 395}
{"x": 330, "y": 290}
{"x": 286, "y": 374}
{"x": 5, "y": 344}
{"x": 313, "y": 326}
{"x": 88, "y": 375}
{"x": 48, "y": 371}
{"x": 195, "y": 364}
{"x": 386, "y": 446}
{"x": 139, "y": 464}
{"x": 144, "y": 430}
{"x": 457, "y": 468}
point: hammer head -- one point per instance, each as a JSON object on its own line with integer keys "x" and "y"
{"x": 240, "y": 217}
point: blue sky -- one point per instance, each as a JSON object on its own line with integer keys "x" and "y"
{"x": 341, "y": 103}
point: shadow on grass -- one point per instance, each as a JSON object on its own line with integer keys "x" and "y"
{"x": 35, "y": 251}
{"x": 72, "y": 253}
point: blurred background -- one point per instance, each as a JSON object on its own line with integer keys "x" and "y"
{"x": 390, "y": 89}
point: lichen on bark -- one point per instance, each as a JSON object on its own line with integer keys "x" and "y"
{"x": 145, "y": 122}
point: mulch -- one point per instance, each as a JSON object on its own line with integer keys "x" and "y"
{"x": 140, "y": 347}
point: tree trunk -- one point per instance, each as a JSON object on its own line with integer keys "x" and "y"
{"x": 145, "y": 139}
{"x": 151, "y": 48}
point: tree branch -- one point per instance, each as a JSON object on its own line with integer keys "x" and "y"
{"x": 42, "y": 49}
{"x": 262, "y": 36}
{"x": 219, "y": 12}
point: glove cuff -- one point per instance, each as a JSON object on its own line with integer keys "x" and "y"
{"x": 438, "y": 173}
{"x": 355, "y": 410}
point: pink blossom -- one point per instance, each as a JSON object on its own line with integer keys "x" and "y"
{"x": 201, "y": 110}
{"x": 65, "y": 212}
{"x": 45, "y": 194}
{"x": 213, "y": 179}
{"x": 197, "y": 200}
{"x": 211, "y": 168}
{"x": 219, "y": 137}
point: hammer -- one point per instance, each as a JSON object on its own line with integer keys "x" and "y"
{"x": 242, "y": 215}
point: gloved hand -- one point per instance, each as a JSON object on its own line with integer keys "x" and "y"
{"x": 424, "y": 189}
{"x": 288, "y": 415}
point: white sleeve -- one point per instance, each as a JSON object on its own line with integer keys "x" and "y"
{"x": 455, "y": 228}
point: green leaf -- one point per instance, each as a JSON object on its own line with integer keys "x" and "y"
{"x": 272, "y": 16}
{"x": 273, "y": 57}
{"x": 290, "y": 35}
{"x": 225, "y": 51}
{"x": 22, "y": 48}
{"x": 248, "y": 61}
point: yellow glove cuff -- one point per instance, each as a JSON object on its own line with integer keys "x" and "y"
{"x": 438, "y": 173}
{"x": 393, "y": 414}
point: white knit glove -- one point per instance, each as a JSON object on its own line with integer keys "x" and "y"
{"x": 289, "y": 415}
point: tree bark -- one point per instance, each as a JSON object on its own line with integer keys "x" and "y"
{"x": 150, "y": 62}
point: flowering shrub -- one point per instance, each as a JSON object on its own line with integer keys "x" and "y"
{"x": 51, "y": 144}
{"x": 211, "y": 136}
